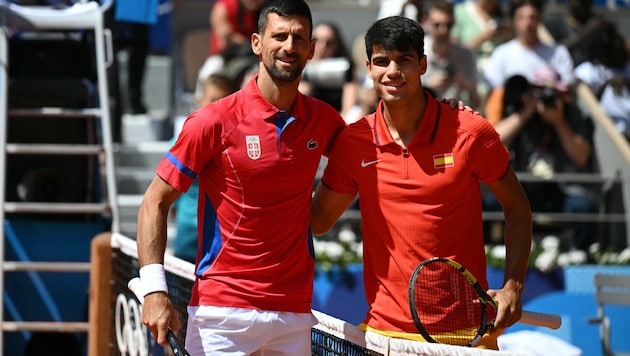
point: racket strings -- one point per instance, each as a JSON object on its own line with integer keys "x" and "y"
{"x": 447, "y": 305}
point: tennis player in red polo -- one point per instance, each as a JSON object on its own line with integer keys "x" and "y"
{"x": 416, "y": 165}
{"x": 255, "y": 154}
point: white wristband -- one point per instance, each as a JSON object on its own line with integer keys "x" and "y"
{"x": 153, "y": 278}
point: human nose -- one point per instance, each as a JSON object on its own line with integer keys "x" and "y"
{"x": 289, "y": 44}
{"x": 393, "y": 68}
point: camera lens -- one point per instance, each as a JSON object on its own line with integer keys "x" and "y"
{"x": 547, "y": 95}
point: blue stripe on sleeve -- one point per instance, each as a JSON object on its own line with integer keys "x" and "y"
{"x": 182, "y": 168}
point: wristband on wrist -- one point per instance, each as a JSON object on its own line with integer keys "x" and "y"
{"x": 153, "y": 278}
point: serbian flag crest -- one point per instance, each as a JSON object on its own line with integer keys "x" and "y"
{"x": 253, "y": 146}
{"x": 443, "y": 160}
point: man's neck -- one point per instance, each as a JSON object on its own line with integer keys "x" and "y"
{"x": 529, "y": 42}
{"x": 441, "y": 47}
{"x": 280, "y": 94}
{"x": 403, "y": 118}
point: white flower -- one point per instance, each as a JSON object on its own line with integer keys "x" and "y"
{"x": 624, "y": 256}
{"x": 609, "y": 258}
{"x": 550, "y": 243}
{"x": 358, "y": 249}
{"x": 577, "y": 257}
{"x": 574, "y": 257}
{"x": 319, "y": 246}
{"x": 563, "y": 259}
{"x": 498, "y": 252}
{"x": 593, "y": 248}
{"x": 546, "y": 260}
{"x": 333, "y": 250}
{"x": 347, "y": 235}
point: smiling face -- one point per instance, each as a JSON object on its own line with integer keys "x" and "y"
{"x": 396, "y": 74}
{"x": 284, "y": 46}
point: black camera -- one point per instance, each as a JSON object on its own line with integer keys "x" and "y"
{"x": 547, "y": 95}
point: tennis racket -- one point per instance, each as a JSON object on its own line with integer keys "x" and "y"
{"x": 135, "y": 285}
{"x": 439, "y": 287}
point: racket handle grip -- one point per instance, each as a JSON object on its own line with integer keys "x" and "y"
{"x": 135, "y": 285}
{"x": 551, "y": 321}
{"x": 173, "y": 342}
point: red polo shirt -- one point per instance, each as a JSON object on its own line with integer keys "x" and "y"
{"x": 417, "y": 203}
{"x": 255, "y": 187}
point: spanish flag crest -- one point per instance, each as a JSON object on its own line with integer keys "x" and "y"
{"x": 443, "y": 160}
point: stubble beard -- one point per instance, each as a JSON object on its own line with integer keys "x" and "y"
{"x": 283, "y": 75}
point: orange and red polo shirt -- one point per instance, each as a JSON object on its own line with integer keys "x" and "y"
{"x": 417, "y": 202}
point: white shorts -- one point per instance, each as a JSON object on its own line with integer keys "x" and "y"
{"x": 237, "y": 331}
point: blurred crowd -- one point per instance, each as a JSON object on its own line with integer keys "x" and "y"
{"x": 512, "y": 61}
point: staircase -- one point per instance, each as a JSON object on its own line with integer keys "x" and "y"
{"x": 56, "y": 163}
{"x": 135, "y": 168}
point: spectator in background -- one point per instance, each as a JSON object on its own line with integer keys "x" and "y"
{"x": 130, "y": 33}
{"x": 547, "y": 133}
{"x": 579, "y": 29}
{"x": 366, "y": 103}
{"x": 481, "y": 26}
{"x": 329, "y": 75}
{"x": 523, "y": 55}
{"x": 451, "y": 68}
{"x": 232, "y": 22}
{"x": 411, "y": 9}
{"x": 607, "y": 73}
{"x": 184, "y": 209}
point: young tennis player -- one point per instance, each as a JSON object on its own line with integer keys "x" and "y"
{"x": 255, "y": 154}
{"x": 416, "y": 164}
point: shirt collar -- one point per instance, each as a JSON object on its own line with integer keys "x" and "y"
{"x": 427, "y": 128}
{"x": 268, "y": 110}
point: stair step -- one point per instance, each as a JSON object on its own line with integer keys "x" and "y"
{"x": 61, "y": 208}
{"x": 53, "y": 149}
{"x": 50, "y": 326}
{"x": 15, "y": 266}
{"x": 55, "y": 112}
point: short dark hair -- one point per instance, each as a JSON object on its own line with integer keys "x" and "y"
{"x": 395, "y": 33}
{"x": 285, "y": 8}
{"x": 517, "y": 4}
{"x": 444, "y": 6}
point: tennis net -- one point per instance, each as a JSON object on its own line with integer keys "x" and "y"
{"x": 330, "y": 337}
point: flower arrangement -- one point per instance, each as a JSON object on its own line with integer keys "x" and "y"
{"x": 548, "y": 255}
{"x": 344, "y": 246}
{"x": 340, "y": 247}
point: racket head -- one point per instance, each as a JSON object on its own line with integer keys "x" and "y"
{"x": 447, "y": 303}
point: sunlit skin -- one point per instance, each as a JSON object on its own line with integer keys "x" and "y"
{"x": 396, "y": 78}
{"x": 396, "y": 75}
{"x": 284, "y": 47}
{"x": 526, "y": 21}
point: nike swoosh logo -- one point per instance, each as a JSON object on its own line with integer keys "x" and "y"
{"x": 365, "y": 164}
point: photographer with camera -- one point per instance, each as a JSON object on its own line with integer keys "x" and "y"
{"x": 547, "y": 133}
{"x": 523, "y": 55}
